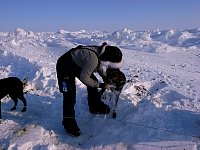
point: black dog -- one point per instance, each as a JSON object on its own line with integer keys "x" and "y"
{"x": 118, "y": 79}
{"x": 13, "y": 87}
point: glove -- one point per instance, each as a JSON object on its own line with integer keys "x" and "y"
{"x": 110, "y": 86}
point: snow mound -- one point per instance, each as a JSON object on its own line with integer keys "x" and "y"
{"x": 62, "y": 31}
{"x": 13, "y": 65}
{"x": 20, "y": 31}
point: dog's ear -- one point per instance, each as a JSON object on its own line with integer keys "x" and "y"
{"x": 121, "y": 81}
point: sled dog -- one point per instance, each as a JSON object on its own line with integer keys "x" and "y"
{"x": 13, "y": 87}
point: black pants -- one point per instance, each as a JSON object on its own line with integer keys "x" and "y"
{"x": 67, "y": 70}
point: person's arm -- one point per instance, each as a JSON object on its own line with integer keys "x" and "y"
{"x": 90, "y": 64}
{"x": 102, "y": 72}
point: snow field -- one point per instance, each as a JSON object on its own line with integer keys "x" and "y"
{"x": 158, "y": 107}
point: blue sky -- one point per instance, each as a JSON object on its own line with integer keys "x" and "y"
{"x": 111, "y": 15}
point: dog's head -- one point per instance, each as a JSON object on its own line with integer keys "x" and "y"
{"x": 116, "y": 77}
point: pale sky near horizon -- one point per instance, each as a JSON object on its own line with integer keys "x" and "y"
{"x": 72, "y": 15}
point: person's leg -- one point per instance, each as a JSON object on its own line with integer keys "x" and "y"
{"x": 93, "y": 95}
{"x": 67, "y": 70}
{"x": 69, "y": 100}
{"x": 96, "y": 106}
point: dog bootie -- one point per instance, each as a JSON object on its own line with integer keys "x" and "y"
{"x": 71, "y": 127}
{"x": 99, "y": 108}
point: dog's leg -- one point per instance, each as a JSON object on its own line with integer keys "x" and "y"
{"x": 15, "y": 103}
{"x": 24, "y": 102}
{"x": 117, "y": 93}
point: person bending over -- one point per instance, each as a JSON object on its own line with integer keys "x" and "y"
{"x": 82, "y": 62}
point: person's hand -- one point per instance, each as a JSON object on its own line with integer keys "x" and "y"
{"x": 110, "y": 86}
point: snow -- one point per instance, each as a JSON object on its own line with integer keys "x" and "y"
{"x": 158, "y": 108}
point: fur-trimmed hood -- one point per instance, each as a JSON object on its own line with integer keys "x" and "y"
{"x": 111, "y": 56}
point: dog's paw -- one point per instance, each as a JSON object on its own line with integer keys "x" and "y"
{"x": 24, "y": 109}
{"x": 14, "y": 108}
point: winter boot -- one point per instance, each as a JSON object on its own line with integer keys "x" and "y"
{"x": 71, "y": 127}
{"x": 99, "y": 108}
